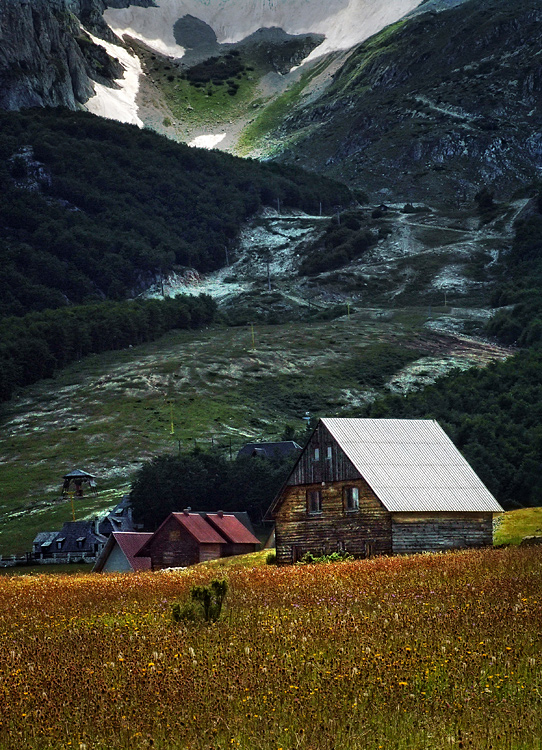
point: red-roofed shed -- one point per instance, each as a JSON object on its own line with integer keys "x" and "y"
{"x": 119, "y": 553}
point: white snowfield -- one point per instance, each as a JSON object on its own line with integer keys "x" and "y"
{"x": 118, "y": 104}
{"x": 207, "y": 141}
{"x": 343, "y": 22}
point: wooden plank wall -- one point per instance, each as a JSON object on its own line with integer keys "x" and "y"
{"x": 173, "y": 547}
{"x": 358, "y": 532}
{"x": 434, "y": 532}
{"x": 309, "y": 471}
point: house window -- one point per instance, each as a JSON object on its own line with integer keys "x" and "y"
{"x": 317, "y": 454}
{"x": 329, "y": 453}
{"x": 314, "y": 501}
{"x": 59, "y": 543}
{"x": 351, "y": 498}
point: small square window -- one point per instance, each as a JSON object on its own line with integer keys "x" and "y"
{"x": 314, "y": 501}
{"x": 351, "y": 498}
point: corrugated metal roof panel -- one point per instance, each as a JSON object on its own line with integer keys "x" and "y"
{"x": 412, "y": 465}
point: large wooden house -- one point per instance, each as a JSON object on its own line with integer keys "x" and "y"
{"x": 380, "y": 486}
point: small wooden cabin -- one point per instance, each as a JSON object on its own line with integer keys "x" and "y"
{"x": 381, "y": 486}
{"x": 187, "y": 538}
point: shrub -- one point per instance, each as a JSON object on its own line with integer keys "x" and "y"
{"x": 310, "y": 559}
{"x": 210, "y": 599}
{"x": 271, "y": 558}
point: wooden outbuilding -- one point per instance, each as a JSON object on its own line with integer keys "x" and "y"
{"x": 380, "y": 487}
{"x": 187, "y": 538}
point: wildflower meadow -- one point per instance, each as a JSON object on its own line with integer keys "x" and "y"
{"x": 430, "y": 651}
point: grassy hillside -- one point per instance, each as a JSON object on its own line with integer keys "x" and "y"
{"x": 111, "y": 411}
{"x": 513, "y": 526}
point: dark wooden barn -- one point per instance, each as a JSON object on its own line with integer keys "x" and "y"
{"x": 381, "y": 486}
{"x": 187, "y": 538}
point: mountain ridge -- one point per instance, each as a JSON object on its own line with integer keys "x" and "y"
{"x": 434, "y": 107}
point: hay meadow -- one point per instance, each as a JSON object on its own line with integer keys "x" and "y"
{"x": 430, "y": 651}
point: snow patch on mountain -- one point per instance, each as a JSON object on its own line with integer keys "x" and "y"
{"x": 118, "y": 103}
{"x": 344, "y": 23}
{"x": 207, "y": 141}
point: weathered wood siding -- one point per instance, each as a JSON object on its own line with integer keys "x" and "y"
{"x": 210, "y": 552}
{"x": 173, "y": 547}
{"x": 311, "y": 470}
{"x": 359, "y": 532}
{"x": 434, "y": 532}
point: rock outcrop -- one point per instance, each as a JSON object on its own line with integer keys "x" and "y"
{"x": 46, "y": 59}
{"x": 434, "y": 108}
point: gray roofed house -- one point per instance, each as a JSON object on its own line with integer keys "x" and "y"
{"x": 119, "y": 519}
{"x": 381, "y": 486}
{"x": 77, "y": 540}
{"x": 270, "y": 450}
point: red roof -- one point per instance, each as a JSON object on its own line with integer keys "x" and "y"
{"x": 130, "y": 543}
{"x": 232, "y": 529}
{"x": 202, "y": 531}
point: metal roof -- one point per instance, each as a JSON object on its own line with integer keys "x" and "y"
{"x": 131, "y": 542}
{"x": 412, "y": 465}
{"x": 78, "y": 474}
{"x": 201, "y": 530}
{"x": 231, "y": 528}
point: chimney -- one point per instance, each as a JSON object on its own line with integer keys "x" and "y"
{"x": 186, "y": 511}
{"x": 220, "y": 514}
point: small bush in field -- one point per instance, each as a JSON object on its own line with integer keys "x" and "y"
{"x": 308, "y": 558}
{"x": 210, "y": 599}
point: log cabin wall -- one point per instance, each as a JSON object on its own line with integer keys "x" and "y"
{"x": 435, "y": 532}
{"x": 360, "y": 532}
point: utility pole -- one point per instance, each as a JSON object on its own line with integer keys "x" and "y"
{"x": 268, "y": 277}
{"x": 227, "y": 256}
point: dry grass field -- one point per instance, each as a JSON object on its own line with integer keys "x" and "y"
{"x": 431, "y": 651}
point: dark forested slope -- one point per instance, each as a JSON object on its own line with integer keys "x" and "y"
{"x": 94, "y": 209}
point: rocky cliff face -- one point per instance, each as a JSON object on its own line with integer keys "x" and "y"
{"x": 45, "y": 57}
{"x": 431, "y": 109}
